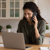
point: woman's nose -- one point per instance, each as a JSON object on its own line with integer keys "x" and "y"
{"x": 27, "y": 16}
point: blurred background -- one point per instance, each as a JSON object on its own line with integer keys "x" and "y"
{"x": 11, "y": 13}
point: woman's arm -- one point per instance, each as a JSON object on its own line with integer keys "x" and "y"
{"x": 37, "y": 35}
{"x": 41, "y": 33}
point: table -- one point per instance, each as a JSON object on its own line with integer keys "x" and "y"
{"x": 34, "y": 47}
{"x": 47, "y": 35}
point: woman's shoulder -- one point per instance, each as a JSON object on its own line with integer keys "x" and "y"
{"x": 42, "y": 24}
{"x": 22, "y": 22}
{"x": 41, "y": 21}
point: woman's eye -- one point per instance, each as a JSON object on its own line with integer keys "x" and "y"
{"x": 28, "y": 14}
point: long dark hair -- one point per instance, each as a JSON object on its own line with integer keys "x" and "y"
{"x": 34, "y": 8}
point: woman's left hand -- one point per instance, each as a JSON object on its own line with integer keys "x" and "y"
{"x": 36, "y": 21}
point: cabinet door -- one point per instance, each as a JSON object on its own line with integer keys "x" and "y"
{"x": 14, "y": 9}
{"x": 3, "y": 9}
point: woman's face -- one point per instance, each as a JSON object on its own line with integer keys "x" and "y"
{"x": 28, "y": 14}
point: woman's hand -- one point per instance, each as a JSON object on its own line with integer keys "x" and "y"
{"x": 37, "y": 35}
{"x": 36, "y": 21}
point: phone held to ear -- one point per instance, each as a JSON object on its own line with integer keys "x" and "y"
{"x": 34, "y": 14}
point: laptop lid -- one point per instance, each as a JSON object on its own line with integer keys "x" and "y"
{"x": 13, "y": 40}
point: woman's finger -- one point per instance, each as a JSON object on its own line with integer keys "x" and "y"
{"x": 33, "y": 19}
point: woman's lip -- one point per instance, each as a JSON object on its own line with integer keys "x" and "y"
{"x": 27, "y": 18}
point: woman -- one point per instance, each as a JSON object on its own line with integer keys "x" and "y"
{"x": 34, "y": 33}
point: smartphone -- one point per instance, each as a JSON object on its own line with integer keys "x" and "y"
{"x": 34, "y": 14}
{"x": 28, "y": 47}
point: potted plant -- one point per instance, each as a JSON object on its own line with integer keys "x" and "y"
{"x": 8, "y": 28}
{"x": 0, "y": 28}
{"x": 47, "y": 29}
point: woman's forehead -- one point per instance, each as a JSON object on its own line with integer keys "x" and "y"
{"x": 27, "y": 11}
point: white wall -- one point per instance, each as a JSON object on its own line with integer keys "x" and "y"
{"x": 12, "y": 22}
{"x": 44, "y": 6}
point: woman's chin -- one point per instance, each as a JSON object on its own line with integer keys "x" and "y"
{"x": 28, "y": 20}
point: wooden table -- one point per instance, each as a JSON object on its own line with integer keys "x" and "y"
{"x": 34, "y": 47}
{"x": 47, "y": 35}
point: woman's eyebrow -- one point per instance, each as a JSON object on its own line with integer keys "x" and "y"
{"x": 26, "y": 13}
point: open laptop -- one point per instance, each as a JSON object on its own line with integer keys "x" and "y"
{"x": 14, "y": 40}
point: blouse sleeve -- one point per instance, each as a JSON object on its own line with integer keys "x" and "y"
{"x": 42, "y": 28}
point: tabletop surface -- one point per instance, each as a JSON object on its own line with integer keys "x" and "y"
{"x": 34, "y": 47}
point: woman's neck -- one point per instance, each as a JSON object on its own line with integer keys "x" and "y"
{"x": 29, "y": 22}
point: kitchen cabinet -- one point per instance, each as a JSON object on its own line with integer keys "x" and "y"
{"x": 12, "y": 9}
{"x": 3, "y": 9}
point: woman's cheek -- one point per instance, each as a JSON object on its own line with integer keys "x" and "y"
{"x": 30, "y": 15}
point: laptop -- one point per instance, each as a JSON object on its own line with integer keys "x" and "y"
{"x": 14, "y": 40}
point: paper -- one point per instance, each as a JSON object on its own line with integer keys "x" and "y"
{"x": 44, "y": 48}
{"x": 1, "y": 45}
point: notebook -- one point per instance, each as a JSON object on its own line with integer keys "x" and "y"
{"x": 1, "y": 45}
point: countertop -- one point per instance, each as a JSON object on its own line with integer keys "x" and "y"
{"x": 46, "y": 35}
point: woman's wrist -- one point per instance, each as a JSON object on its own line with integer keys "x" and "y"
{"x": 36, "y": 32}
{"x": 35, "y": 27}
